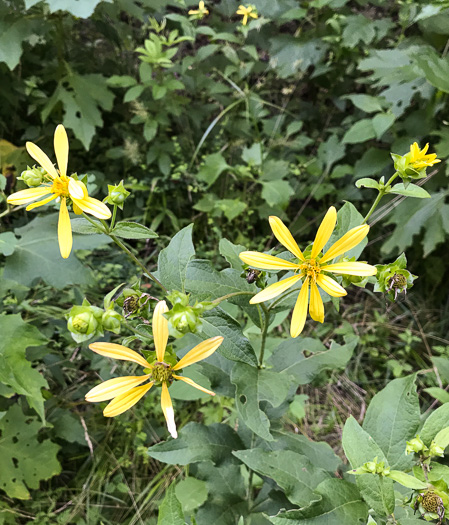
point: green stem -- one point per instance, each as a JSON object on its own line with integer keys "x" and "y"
{"x": 382, "y": 192}
{"x": 264, "y": 333}
{"x": 233, "y": 294}
{"x": 114, "y": 214}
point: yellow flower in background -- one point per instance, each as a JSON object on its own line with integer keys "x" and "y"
{"x": 314, "y": 268}
{"x": 246, "y": 12}
{"x": 202, "y": 11}
{"x": 58, "y": 185}
{"x": 125, "y": 392}
{"x": 419, "y": 159}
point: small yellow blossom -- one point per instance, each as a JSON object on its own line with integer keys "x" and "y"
{"x": 419, "y": 159}
{"x": 314, "y": 268}
{"x": 246, "y": 12}
{"x": 59, "y": 185}
{"x": 201, "y": 12}
{"x": 125, "y": 392}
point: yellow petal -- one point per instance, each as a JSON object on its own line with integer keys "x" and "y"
{"x": 324, "y": 231}
{"x": 346, "y": 243}
{"x": 192, "y": 383}
{"x": 93, "y": 207}
{"x": 41, "y": 203}
{"x": 28, "y": 195}
{"x": 61, "y": 149}
{"x": 64, "y": 230}
{"x": 114, "y": 388}
{"x": 316, "y": 308}
{"x": 266, "y": 262}
{"x": 125, "y": 401}
{"x": 119, "y": 352}
{"x": 275, "y": 289}
{"x": 199, "y": 352}
{"x": 76, "y": 189}
{"x": 330, "y": 286}
{"x": 283, "y": 235}
{"x": 167, "y": 408}
{"x": 39, "y": 156}
{"x": 160, "y": 329}
{"x": 300, "y": 310}
{"x": 351, "y": 268}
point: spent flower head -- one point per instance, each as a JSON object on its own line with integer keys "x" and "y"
{"x": 394, "y": 278}
{"x": 126, "y": 391}
{"x": 58, "y": 185}
{"x": 246, "y": 12}
{"x": 313, "y": 267}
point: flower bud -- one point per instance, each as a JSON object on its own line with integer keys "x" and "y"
{"x": 33, "y": 177}
{"x": 436, "y": 450}
{"x": 111, "y": 321}
{"x": 415, "y": 446}
{"x": 84, "y": 321}
{"x": 117, "y": 195}
{"x": 183, "y": 318}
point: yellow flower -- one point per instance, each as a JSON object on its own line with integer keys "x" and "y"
{"x": 419, "y": 159}
{"x": 314, "y": 268}
{"x": 125, "y": 392}
{"x": 58, "y": 184}
{"x": 246, "y": 12}
{"x": 202, "y": 10}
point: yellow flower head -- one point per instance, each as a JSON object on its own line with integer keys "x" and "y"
{"x": 249, "y": 11}
{"x": 125, "y": 392}
{"x": 58, "y": 185}
{"x": 419, "y": 159}
{"x": 314, "y": 269}
{"x": 201, "y": 12}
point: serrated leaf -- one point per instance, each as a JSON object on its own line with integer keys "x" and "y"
{"x": 331, "y": 151}
{"x": 25, "y": 460}
{"x": 133, "y": 230}
{"x": 213, "y": 167}
{"x": 277, "y": 193}
{"x": 12, "y": 36}
{"x": 170, "y": 511}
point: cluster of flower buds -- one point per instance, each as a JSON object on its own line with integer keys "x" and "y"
{"x": 33, "y": 177}
{"x": 372, "y": 467}
{"x": 117, "y": 195}
{"x": 394, "y": 278}
{"x": 87, "y": 321}
{"x": 417, "y": 446}
{"x": 183, "y": 318}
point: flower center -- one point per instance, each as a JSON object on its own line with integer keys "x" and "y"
{"x": 60, "y": 186}
{"x": 161, "y": 372}
{"x": 311, "y": 269}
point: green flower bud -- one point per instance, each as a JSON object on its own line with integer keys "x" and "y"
{"x": 415, "y": 446}
{"x": 117, "y": 195}
{"x": 183, "y": 318}
{"x": 33, "y": 177}
{"x": 436, "y": 450}
{"x": 111, "y": 321}
{"x": 176, "y": 297}
{"x": 84, "y": 321}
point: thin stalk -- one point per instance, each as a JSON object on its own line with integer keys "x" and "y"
{"x": 382, "y": 192}
{"x": 114, "y": 214}
{"x": 233, "y": 294}
{"x": 264, "y": 333}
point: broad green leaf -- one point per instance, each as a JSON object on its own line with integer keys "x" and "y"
{"x": 392, "y": 418}
{"x": 274, "y": 170}
{"x": 437, "y": 420}
{"x": 37, "y": 255}
{"x": 366, "y": 103}
{"x": 289, "y": 55}
{"x": 133, "y": 92}
{"x": 358, "y": 28}
{"x": 79, "y": 8}
{"x": 340, "y": 504}
{"x": 231, "y": 208}
{"x": 367, "y": 183}
{"x": 442, "y": 438}
{"x": 434, "y": 68}
{"x": 231, "y": 253}
{"x": 83, "y": 226}
{"x": 294, "y": 473}
{"x": 235, "y": 345}
{"x": 331, "y": 151}
{"x": 253, "y": 155}
{"x": 25, "y": 459}
{"x": 442, "y": 364}
{"x": 412, "y": 190}
{"x": 406, "y": 480}
{"x": 12, "y": 36}
{"x": 213, "y": 167}
{"x": 199, "y": 443}
{"x": 382, "y": 122}
{"x": 359, "y": 448}
{"x": 361, "y": 131}
{"x": 191, "y": 493}
{"x": 121, "y": 81}
{"x": 170, "y": 511}
{"x": 8, "y": 243}
{"x": 277, "y": 193}
{"x": 133, "y": 230}
{"x": 253, "y": 386}
{"x": 15, "y": 369}
{"x": 438, "y": 393}
{"x": 173, "y": 260}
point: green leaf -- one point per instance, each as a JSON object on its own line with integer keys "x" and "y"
{"x": 382, "y": 122}
{"x": 231, "y": 253}
{"x": 340, "y": 504}
{"x": 361, "y": 131}
{"x": 133, "y": 93}
{"x": 367, "y": 183}
{"x": 289, "y": 55}
{"x": 231, "y": 208}
{"x": 121, "y": 81}
{"x": 442, "y": 364}
{"x": 366, "y": 103}
{"x": 213, "y": 167}
{"x": 235, "y": 345}
{"x": 173, "y": 260}
{"x": 13, "y": 34}
{"x": 199, "y": 443}
{"x": 358, "y": 28}
{"x": 294, "y": 473}
{"x": 133, "y": 230}
{"x": 15, "y": 370}
{"x": 170, "y": 511}
{"x": 331, "y": 151}
{"x": 442, "y": 438}
{"x": 438, "y": 393}
{"x": 274, "y": 170}
{"x": 434, "y": 68}
{"x": 158, "y": 92}
{"x": 8, "y": 243}
{"x": 412, "y": 190}
{"x": 80, "y": 8}
{"x": 277, "y": 193}
{"x": 25, "y": 459}
{"x": 37, "y": 255}
{"x": 393, "y": 417}
{"x": 252, "y": 387}
{"x": 405, "y": 480}
{"x": 83, "y": 226}
{"x": 437, "y": 420}
{"x": 150, "y": 130}
{"x": 359, "y": 448}
{"x": 253, "y": 154}
{"x": 191, "y": 493}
